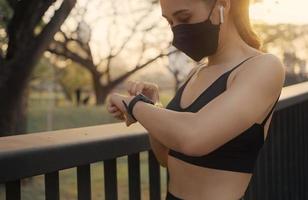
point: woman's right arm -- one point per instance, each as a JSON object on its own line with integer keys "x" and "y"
{"x": 160, "y": 151}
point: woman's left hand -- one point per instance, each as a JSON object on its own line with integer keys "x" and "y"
{"x": 115, "y": 101}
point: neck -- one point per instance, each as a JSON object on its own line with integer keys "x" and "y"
{"x": 232, "y": 48}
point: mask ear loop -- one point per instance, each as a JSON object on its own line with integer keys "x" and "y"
{"x": 211, "y": 11}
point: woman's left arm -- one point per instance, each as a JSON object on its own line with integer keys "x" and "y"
{"x": 250, "y": 96}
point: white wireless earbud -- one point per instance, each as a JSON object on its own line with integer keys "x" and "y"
{"x": 221, "y": 12}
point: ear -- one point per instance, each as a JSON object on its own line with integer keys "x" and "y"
{"x": 226, "y": 5}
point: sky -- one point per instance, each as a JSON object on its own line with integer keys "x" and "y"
{"x": 280, "y": 11}
{"x": 267, "y": 11}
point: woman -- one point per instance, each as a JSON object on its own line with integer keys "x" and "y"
{"x": 211, "y": 131}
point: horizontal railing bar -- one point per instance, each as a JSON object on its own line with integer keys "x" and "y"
{"x": 292, "y": 95}
{"x": 39, "y": 153}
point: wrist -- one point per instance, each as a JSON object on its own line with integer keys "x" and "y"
{"x": 134, "y": 101}
{"x": 136, "y": 107}
{"x": 126, "y": 102}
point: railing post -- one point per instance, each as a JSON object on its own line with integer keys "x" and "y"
{"x": 52, "y": 186}
{"x": 154, "y": 176}
{"x": 13, "y": 190}
{"x": 134, "y": 176}
{"x": 110, "y": 174}
{"x": 84, "y": 182}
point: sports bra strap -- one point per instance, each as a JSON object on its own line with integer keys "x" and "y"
{"x": 240, "y": 64}
{"x": 269, "y": 114}
{"x": 197, "y": 69}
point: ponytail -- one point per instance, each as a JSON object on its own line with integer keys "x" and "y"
{"x": 239, "y": 12}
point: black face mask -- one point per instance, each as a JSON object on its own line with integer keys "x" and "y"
{"x": 197, "y": 40}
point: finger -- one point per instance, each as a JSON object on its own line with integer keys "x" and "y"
{"x": 115, "y": 109}
{"x": 121, "y": 117}
{"x": 112, "y": 108}
{"x": 109, "y": 106}
{"x": 150, "y": 85}
{"x": 116, "y": 114}
{"x": 133, "y": 89}
{"x": 129, "y": 86}
{"x": 139, "y": 88}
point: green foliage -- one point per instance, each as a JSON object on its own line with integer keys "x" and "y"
{"x": 5, "y": 13}
{"x": 43, "y": 70}
{"x": 73, "y": 76}
{"x": 69, "y": 78}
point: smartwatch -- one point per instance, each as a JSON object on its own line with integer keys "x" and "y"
{"x": 138, "y": 97}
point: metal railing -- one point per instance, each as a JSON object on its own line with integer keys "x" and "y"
{"x": 280, "y": 172}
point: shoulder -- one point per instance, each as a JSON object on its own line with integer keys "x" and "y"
{"x": 266, "y": 71}
{"x": 270, "y": 63}
{"x": 267, "y": 64}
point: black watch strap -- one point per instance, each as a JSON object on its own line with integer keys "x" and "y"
{"x": 130, "y": 106}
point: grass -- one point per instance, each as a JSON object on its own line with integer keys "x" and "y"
{"x": 42, "y": 116}
{"x": 67, "y": 116}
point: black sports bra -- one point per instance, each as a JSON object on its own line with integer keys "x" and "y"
{"x": 238, "y": 154}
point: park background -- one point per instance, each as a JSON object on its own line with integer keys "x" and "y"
{"x": 99, "y": 45}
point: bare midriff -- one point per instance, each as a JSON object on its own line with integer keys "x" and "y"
{"x": 192, "y": 182}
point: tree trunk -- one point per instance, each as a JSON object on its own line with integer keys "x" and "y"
{"x": 13, "y": 107}
{"x": 21, "y": 123}
{"x": 101, "y": 91}
{"x": 17, "y": 67}
{"x": 14, "y": 121}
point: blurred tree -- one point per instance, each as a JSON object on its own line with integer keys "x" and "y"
{"x": 290, "y": 43}
{"x": 71, "y": 77}
{"x": 75, "y": 44}
{"x": 27, "y": 36}
{"x": 281, "y": 35}
{"x": 175, "y": 66}
{"x": 68, "y": 76}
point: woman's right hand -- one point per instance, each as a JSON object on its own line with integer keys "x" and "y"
{"x": 148, "y": 89}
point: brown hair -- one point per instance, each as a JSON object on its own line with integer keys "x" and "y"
{"x": 240, "y": 14}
